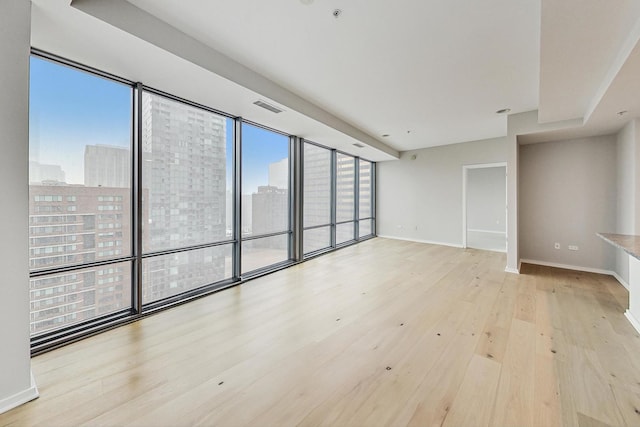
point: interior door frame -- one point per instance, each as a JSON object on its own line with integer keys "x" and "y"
{"x": 465, "y": 176}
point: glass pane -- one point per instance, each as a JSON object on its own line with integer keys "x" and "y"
{"x": 316, "y": 239}
{"x": 344, "y": 232}
{"x": 186, "y": 171}
{"x": 63, "y": 299}
{"x": 365, "y": 189}
{"x": 263, "y": 252}
{"x": 345, "y": 188}
{"x": 79, "y": 167}
{"x": 365, "y": 227}
{"x": 265, "y": 181}
{"x": 317, "y": 185}
{"x": 168, "y": 275}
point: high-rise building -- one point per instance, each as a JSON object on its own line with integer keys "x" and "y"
{"x": 74, "y": 224}
{"x": 365, "y": 206}
{"x": 317, "y": 197}
{"x": 184, "y": 204}
{"x": 270, "y": 210}
{"x": 279, "y": 173}
{"x": 184, "y": 172}
{"x": 247, "y": 214}
{"x": 345, "y": 187}
{"x": 107, "y": 166}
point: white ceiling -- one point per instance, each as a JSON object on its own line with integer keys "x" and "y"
{"x": 439, "y": 69}
{"x": 426, "y": 72}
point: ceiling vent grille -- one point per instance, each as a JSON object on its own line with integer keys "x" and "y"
{"x": 358, "y": 145}
{"x": 268, "y": 106}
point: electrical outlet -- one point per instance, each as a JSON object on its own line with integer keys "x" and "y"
{"x": 572, "y": 247}
{"x": 556, "y": 245}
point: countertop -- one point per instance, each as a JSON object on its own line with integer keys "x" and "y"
{"x": 629, "y": 243}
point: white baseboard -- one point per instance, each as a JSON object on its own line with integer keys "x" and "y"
{"x": 634, "y": 322}
{"x": 500, "y": 251}
{"x": 620, "y": 279}
{"x": 512, "y": 270}
{"x": 20, "y": 398}
{"x": 429, "y": 242}
{"x": 504, "y": 233}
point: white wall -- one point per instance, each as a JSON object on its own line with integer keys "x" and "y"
{"x": 628, "y": 175}
{"x": 568, "y": 194}
{"x": 486, "y": 199}
{"x": 15, "y": 374}
{"x": 421, "y": 199}
{"x": 626, "y": 172}
{"x": 517, "y": 125}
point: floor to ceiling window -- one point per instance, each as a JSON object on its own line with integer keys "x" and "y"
{"x": 317, "y": 196}
{"x": 338, "y": 202}
{"x": 186, "y": 169}
{"x": 265, "y": 198}
{"x": 345, "y": 198}
{"x": 140, "y": 199}
{"x": 365, "y": 196}
{"x": 79, "y": 196}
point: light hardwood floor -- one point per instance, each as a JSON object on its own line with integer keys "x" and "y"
{"x": 382, "y": 333}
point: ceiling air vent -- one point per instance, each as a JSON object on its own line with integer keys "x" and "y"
{"x": 358, "y": 145}
{"x": 268, "y": 106}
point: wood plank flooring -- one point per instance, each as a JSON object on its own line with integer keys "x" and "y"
{"x": 384, "y": 333}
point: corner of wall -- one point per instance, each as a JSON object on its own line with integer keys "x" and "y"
{"x": 16, "y": 382}
{"x": 20, "y": 397}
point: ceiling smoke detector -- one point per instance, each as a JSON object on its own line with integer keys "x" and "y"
{"x": 336, "y": 13}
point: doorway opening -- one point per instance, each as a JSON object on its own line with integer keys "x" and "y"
{"x": 484, "y": 206}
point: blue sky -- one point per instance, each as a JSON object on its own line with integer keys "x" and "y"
{"x": 70, "y": 109}
{"x": 259, "y": 148}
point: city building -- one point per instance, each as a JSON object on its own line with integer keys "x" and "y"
{"x": 270, "y": 211}
{"x": 184, "y": 172}
{"x": 73, "y": 224}
{"x": 107, "y": 166}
